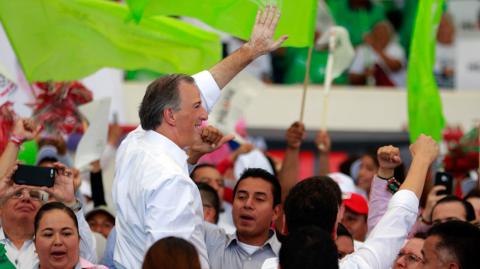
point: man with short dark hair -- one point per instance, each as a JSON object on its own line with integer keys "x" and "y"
{"x": 453, "y": 244}
{"x": 451, "y": 207}
{"x": 152, "y": 190}
{"x": 256, "y": 205}
{"x": 313, "y": 201}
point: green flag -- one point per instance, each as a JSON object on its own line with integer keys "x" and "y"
{"x": 70, "y": 39}
{"x": 424, "y": 104}
{"x": 237, "y": 17}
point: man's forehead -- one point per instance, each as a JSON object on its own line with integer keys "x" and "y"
{"x": 207, "y": 171}
{"x": 255, "y": 184}
{"x": 450, "y": 206}
{"x": 185, "y": 87}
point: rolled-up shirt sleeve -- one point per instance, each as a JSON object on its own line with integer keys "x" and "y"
{"x": 385, "y": 240}
{"x": 209, "y": 90}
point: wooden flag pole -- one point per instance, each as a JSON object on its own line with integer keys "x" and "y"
{"x": 305, "y": 82}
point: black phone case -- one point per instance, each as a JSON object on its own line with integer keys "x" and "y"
{"x": 445, "y": 179}
{"x": 34, "y": 175}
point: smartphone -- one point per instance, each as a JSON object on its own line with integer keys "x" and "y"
{"x": 34, "y": 175}
{"x": 445, "y": 179}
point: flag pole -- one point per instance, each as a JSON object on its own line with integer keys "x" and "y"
{"x": 478, "y": 148}
{"x": 305, "y": 82}
{"x": 327, "y": 84}
{"x": 328, "y": 79}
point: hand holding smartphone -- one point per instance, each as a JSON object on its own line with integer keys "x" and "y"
{"x": 444, "y": 179}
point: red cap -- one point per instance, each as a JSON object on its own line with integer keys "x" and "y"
{"x": 356, "y": 203}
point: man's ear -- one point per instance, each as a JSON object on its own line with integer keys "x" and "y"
{"x": 169, "y": 116}
{"x": 277, "y": 212}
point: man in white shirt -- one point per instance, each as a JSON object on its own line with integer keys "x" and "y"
{"x": 314, "y": 202}
{"x": 153, "y": 192}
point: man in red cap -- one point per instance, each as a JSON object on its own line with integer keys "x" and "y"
{"x": 355, "y": 216}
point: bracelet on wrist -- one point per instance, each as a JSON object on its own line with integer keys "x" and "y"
{"x": 17, "y": 140}
{"x": 424, "y": 221}
{"x": 393, "y": 185}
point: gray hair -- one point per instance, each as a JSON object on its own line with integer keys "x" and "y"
{"x": 161, "y": 94}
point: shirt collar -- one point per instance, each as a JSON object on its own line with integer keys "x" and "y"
{"x": 160, "y": 141}
{"x": 272, "y": 241}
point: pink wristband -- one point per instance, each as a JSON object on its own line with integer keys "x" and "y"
{"x": 17, "y": 140}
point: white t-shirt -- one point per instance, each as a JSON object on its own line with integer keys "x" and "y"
{"x": 366, "y": 57}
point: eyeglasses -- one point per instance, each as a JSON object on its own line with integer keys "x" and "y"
{"x": 410, "y": 258}
{"x": 37, "y": 195}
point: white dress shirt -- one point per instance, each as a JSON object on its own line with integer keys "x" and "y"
{"x": 26, "y": 257}
{"x": 385, "y": 240}
{"x": 153, "y": 193}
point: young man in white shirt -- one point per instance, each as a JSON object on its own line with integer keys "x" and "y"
{"x": 152, "y": 191}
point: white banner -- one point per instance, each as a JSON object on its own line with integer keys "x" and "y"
{"x": 7, "y": 86}
{"x": 93, "y": 142}
{"x": 235, "y": 99}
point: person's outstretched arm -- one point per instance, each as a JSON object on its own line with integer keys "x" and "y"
{"x": 261, "y": 42}
{"x": 385, "y": 240}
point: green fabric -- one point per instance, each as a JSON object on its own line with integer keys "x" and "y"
{"x": 28, "y": 152}
{"x": 237, "y": 17}
{"x": 142, "y": 75}
{"x": 409, "y": 12}
{"x": 296, "y": 59}
{"x": 357, "y": 22}
{"x": 424, "y": 104}
{"x": 70, "y": 39}
{"x": 5, "y": 263}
